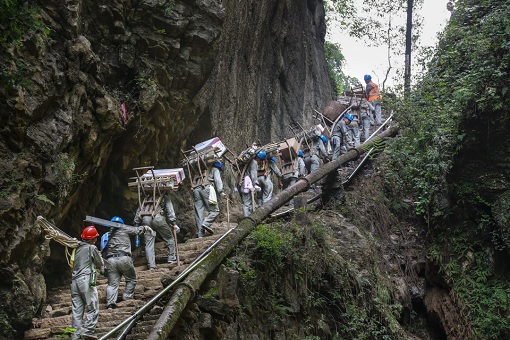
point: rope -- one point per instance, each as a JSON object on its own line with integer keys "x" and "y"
{"x": 54, "y": 233}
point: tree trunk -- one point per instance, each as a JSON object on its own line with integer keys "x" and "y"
{"x": 185, "y": 291}
{"x": 407, "y": 71}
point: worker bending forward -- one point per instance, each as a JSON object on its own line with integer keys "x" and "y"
{"x": 161, "y": 224}
{"x": 266, "y": 168}
{"x": 205, "y": 198}
{"x": 248, "y": 183}
{"x": 119, "y": 262}
{"x": 83, "y": 286}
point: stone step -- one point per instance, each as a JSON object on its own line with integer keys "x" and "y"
{"x": 57, "y": 314}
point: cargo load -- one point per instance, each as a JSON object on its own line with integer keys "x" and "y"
{"x": 288, "y": 149}
{"x": 208, "y": 152}
{"x": 333, "y": 110}
{"x": 163, "y": 179}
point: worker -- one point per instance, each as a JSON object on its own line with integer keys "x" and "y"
{"x": 373, "y": 97}
{"x": 87, "y": 259}
{"x": 299, "y": 171}
{"x": 164, "y": 219}
{"x": 205, "y": 197}
{"x": 353, "y": 134}
{"x": 248, "y": 186}
{"x": 117, "y": 253}
{"x": 266, "y": 168}
{"x": 366, "y": 121}
{"x": 318, "y": 150}
{"x": 340, "y": 136}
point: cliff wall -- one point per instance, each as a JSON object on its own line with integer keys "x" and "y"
{"x": 121, "y": 84}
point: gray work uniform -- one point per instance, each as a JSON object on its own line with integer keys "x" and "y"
{"x": 119, "y": 263}
{"x": 266, "y": 181}
{"x": 353, "y": 133}
{"x": 318, "y": 151}
{"x": 251, "y": 171}
{"x": 339, "y": 138}
{"x": 291, "y": 178}
{"x": 160, "y": 224}
{"x": 366, "y": 121}
{"x": 201, "y": 198}
{"x": 374, "y": 105}
{"x": 83, "y": 295}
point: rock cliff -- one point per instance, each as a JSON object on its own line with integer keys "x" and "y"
{"x": 120, "y": 84}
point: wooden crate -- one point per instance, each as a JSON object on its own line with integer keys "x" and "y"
{"x": 288, "y": 149}
{"x": 332, "y": 111}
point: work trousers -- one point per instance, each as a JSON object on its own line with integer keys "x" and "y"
{"x": 116, "y": 268}
{"x": 164, "y": 232}
{"x": 247, "y": 202}
{"x": 365, "y": 125}
{"x": 201, "y": 198}
{"x": 338, "y": 146}
{"x": 84, "y": 296}
{"x": 375, "y": 106}
{"x": 266, "y": 184}
{"x": 314, "y": 163}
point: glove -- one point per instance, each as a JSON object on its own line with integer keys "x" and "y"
{"x": 177, "y": 229}
{"x": 147, "y": 228}
{"x": 224, "y": 195}
{"x": 257, "y": 188}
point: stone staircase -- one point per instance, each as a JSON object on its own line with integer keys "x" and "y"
{"x": 56, "y": 317}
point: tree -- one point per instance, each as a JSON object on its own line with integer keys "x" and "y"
{"x": 336, "y": 60}
{"x": 380, "y": 22}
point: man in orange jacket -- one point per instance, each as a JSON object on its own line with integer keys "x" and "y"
{"x": 373, "y": 98}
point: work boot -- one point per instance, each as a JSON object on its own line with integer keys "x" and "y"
{"x": 208, "y": 229}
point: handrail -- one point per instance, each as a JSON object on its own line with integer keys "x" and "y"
{"x": 185, "y": 291}
{"x": 140, "y": 312}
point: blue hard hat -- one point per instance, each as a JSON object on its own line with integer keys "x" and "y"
{"x": 324, "y": 139}
{"x": 261, "y": 154}
{"x": 367, "y": 77}
{"x": 300, "y": 153}
{"x": 273, "y": 159}
{"x": 117, "y": 219}
{"x": 218, "y": 165}
{"x": 349, "y": 116}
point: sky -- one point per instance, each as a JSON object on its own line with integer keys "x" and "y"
{"x": 362, "y": 58}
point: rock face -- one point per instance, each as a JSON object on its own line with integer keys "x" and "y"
{"x": 121, "y": 84}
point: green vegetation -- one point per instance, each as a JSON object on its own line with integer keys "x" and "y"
{"x": 466, "y": 85}
{"x": 295, "y": 275}
{"x": 20, "y": 21}
{"x": 335, "y": 60}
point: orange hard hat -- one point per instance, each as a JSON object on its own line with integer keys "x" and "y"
{"x": 89, "y": 233}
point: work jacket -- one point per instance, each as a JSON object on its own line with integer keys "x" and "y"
{"x": 214, "y": 179}
{"x": 372, "y": 92}
{"x": 86, "y": 258}
{"x": 119, "y": 242}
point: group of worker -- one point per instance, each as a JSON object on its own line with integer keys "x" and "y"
{"x": 255, "y": 187}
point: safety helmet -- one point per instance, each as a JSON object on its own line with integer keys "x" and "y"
{"x": 117, "y": 219}
{"x": 89, "y": 233}
{"x": 261, "y": 154}
{"x": 300, "y": 153}
{"x": 273, "y": 159}
{"x": 218, "y": 165}
{"x": 367, "y": 77}
{"x": 324, "y": 139}
{"x": 349, "y": 116}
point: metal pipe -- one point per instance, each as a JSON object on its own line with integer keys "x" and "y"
{"x": 156, "y": 298}
{"x": 184, "y": 292}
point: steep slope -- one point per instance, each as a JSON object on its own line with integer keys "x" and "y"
{"x": 122, "y": 84}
